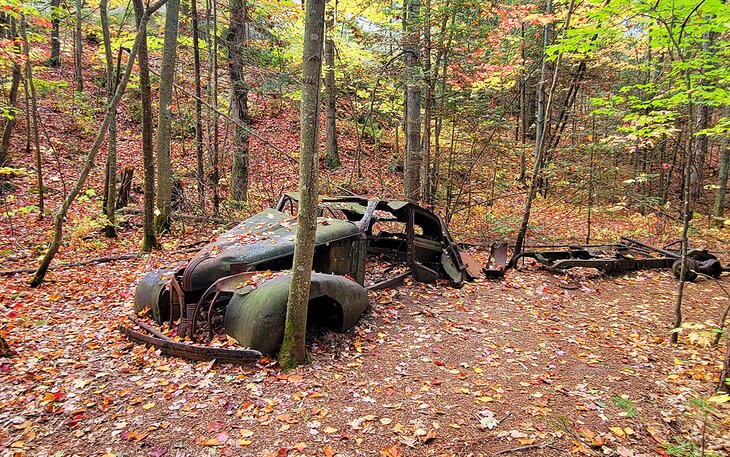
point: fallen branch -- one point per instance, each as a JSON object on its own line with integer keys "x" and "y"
{"x": 542, "y": 445}
{"x": 95, "y": 260}
{"x": 179, "y": 216}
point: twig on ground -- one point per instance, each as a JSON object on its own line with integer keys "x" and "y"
{"x": 542, "y": 445}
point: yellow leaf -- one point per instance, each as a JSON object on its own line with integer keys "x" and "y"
{"x": 525, "y": 441}
{"x": 719, "y": 399}
{"x": 618, "y": 431}
{"x": 330, "y": 430}
{"x": 149, "y": 405}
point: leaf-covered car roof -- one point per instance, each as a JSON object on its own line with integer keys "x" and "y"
{"x": 266, "y": 236}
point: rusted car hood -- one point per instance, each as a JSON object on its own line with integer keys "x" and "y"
{"x": 266, "y": 236}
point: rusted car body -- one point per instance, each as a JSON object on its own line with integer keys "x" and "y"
{"x": 626, "y": 255}
{"x": 226, "y": 277}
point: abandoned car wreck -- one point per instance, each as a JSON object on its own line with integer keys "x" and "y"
{"x": 238, "y": 283}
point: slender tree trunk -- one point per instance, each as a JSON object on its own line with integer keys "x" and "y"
{"x": 540, "y": 124}
{"x": 540, "y": 147}
{"x": 686, "y": 213}
{"x": 700, "y": 144}
{"x": 164, "y": 119}
{"x": 330, "y": 104}
{"x": 441, "y": 59}
{"x": 110, "y": 181}
{"x": 719, "y": 209}
{"x": 428, "y": 105}
{"x": 237, "y": 39}
{"x": 60, "y": 216}
{"x": 411, "y": 52}
{"x": 293, "y": 351}
{"x": 215, "y": 173}
{"x": 522, "y": 127}
{"x": 34, "y": 118}
{"x": 701, "y": 141}
{"x": 149, "y": 238}
{"x": 724, "y": 384}
{"x": 78, "y": 63}
{"x": 12, "y": 100}
{"x": 200, "y": 172}
{"x": 55, "y": 59}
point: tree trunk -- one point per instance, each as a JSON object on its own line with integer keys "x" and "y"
{"x": 701, "y": 141}
{"x": 293, "y": 350}
{"x": 237, "y": 39}
{"x": 200, "y": 173}
{"x": 426, "y": 184}
{"x": 149, "y": 238}
{"x": 214, "y": 175}
{"x": 540, "y": 123}
{"x": 700, "y": 151}
{"x": 411, "y": 51}
{"x": 540, "y": 147}
{"x": 34, "y": 117}
{"x": 330, "y": 104}
{"x": 12, "y": 100}
{"x": 442, "y": 59}
{"x": 61, "y": 214}
{"x": 522, "y": 126}
{"x": 719, "y": 209}
{"x": 164, "y": 119}
{"x": 78, "y": 63}
{"x": 724, "y": 384}
{"x": 110, "y": 180}
{"x": 55, "y": 59}
{"x": 125, "y": 186}
{"x": 686, "y": 214}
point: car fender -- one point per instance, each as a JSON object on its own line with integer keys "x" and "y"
{"x": 255, "y": 318}
{"x": 153, "y": 291}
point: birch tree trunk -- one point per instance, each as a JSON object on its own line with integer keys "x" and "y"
{"x": 164, "y": 119}
{"x": 293, "y": 350}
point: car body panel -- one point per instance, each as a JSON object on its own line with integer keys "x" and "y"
{"x": 255, "y": 317}
{"x": 261, "y": 239}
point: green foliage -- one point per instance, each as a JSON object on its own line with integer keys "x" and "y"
{"x": 626, "y": 405}
{"x": 46, "y": 87}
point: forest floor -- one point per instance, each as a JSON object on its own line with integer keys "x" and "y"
{"x": 536, "y": 363}
{"x": 554, "y": 365}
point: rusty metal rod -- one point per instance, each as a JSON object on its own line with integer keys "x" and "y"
{"x": 151, "y": 330}
{"x": 644, "y": 245}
